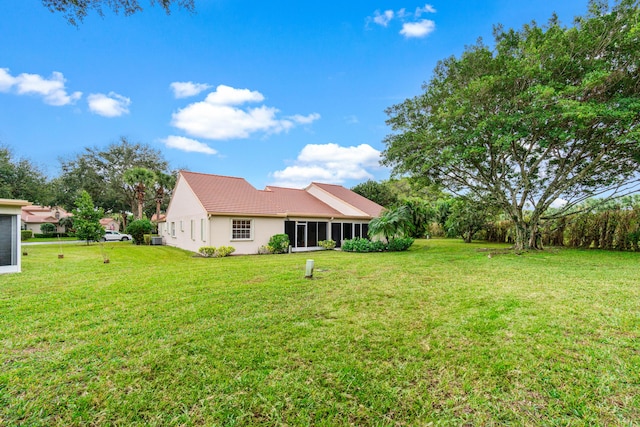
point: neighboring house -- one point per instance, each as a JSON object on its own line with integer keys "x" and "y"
{"x": 110, "y": 224}
{"x": 10, "y": 253}
{"x": 34, "y": 216}
{"x": 214, "y": 210}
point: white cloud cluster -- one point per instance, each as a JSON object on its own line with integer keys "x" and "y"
{"x": 52, "y": 89}
{"x": 329, "y": 163}
{"x": 54, "y": 92}
{"x": 111, "y": 105}
{"x": 187, "y": 144}
{"x": 187, "y": 89}
{"x": 221, "y": 116}
{"x": 412, "y": 25}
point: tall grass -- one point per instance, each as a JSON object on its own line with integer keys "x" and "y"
{"x": 445, "y": 333}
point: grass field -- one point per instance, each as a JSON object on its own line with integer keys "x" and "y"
{"x": 440, "y": 334}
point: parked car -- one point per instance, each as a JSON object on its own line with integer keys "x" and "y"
{"x": 115, "y": 236}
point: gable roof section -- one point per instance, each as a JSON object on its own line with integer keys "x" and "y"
{"x": 300, "y": 202}
{"x": 354, "y": 199}
{"x": 228, "y": 195}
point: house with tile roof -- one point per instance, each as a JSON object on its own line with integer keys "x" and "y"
{"x": 33, "y": 216}
{"x": 215, "y": 210}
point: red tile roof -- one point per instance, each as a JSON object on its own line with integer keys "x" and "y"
{"x": 220, "y": 195}
{"x": 34, "y": 214}
{"x": 228, "y": 195}
{"x": 299, "y": 202}
{"x": 354, "y": 199}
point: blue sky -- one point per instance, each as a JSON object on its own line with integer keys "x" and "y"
{"x": 277, "y": 92}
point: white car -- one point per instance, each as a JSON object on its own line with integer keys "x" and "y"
{"x": 115, "y": 236}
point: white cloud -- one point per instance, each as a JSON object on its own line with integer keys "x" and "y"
{"x": 186, "y": 89}
{"x": 6, "y": 80}
{"x": 558, "y": 203}
{"x": 52, "y": 90}
{"x": 329, "y": 163}
{"x": 383, "y": 18}
{"x": 220, "y": 116}
{"x": 305, "y": 120}
{"x": 188, "y": 145}
{"x": 426, "y": 9}
{"x": 412, "y": 26}
{"x": 111, "y": 105}
{"x": 352, "y": 119}
{"x": 418, "y": 29}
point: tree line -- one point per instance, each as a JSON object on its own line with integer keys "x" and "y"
{"x": 121, "y": 178}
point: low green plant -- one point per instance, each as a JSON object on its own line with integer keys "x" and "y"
{"x": 264, "y": 250}
{"x": 279, "y": 243}
{"x": 138, "y": 229}
{"x": 47, "y": 228}
{"x": 207, "y": 251}
{"x": 327, "y": 244}
{"x": 360, "y": 244}
{"x": 400, "y": 244}
{"x": 224, "y": 251}
{"x": 213, "y": 252}
{"x": 26, "y": 234}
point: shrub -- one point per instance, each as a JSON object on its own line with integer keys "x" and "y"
{"x": 327, "y": 244}
{"x": 224, "y": 251}
{"x": 400, "y": 244}
{"x": 207, "y": 251}
{"x": 26, "y": 234}
{"x": 48, "y": 228}
{"x": 147, "y": 239}
{"x": 42, "y": 236}
{"x": 362, "y": 245}
{"x": 213, "y": 252}
{"x": 138, "y": 229}
{"x": 264, "y": 250}
{"x": 279, "y": 243}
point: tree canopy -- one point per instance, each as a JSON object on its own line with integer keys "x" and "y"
{"x": 100, "y": 171}
{"x": 75, "y": 11}
{"x": 86, "y": 219}
{"x": 20, "y": 179}
{"x": 549, "y": 115}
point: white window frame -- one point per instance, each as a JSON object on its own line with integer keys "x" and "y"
{"x": 203, "y": 228}
{"x": 193, "y": 229}
{"x": 243, "y": 229}
{"x": 181, "y": 225}
{"x": 173, "y": 229}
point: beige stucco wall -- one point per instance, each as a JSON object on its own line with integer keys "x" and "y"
{"x": 185, "y": 214}
{"x": 261, "y": 231}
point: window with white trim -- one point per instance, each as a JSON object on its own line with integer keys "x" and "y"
{"x": 203, "y": 234}
{"x": 181, "y": 225}
{"x": 173, "y": 229}
{"x": 193, "y": 229}
{"x": 241, "y": 229}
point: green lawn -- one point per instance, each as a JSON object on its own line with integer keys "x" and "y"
{"x": 442, "y": 333}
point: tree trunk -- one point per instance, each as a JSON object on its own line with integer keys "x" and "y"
{"x": 527, "y": 235}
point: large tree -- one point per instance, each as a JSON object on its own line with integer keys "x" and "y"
{"x": 139, "y": 180}
{"x": 550, "y": 114}
{"x": 100, "y": 171}
{"x": 21, "y": 179}
{"x": 163, "y": 186}
{"x": 75, "y": 11}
